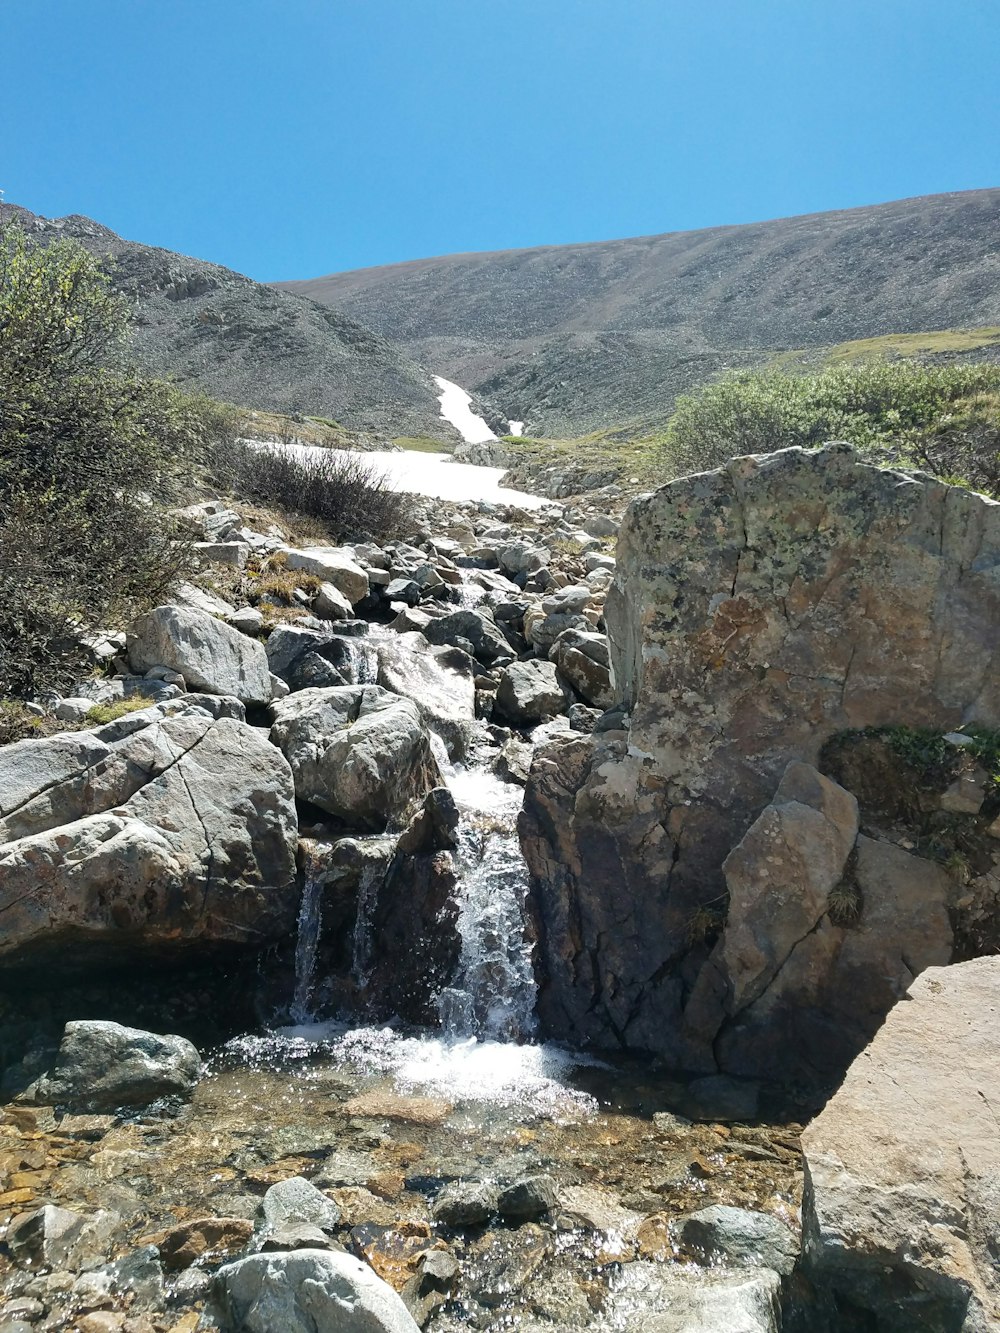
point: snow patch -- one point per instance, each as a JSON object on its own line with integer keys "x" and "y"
{"x": 456, "y": 409}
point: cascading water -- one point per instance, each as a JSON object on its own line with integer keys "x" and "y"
{"x": 309, "y": 928}
{"x": 492, "y": 995}
{"x": 362, "y": 944}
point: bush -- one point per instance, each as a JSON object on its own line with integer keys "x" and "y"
{"x": 945, "y": 419}
{"x": 342, "y": 488}
{"x": 85, "y": 443}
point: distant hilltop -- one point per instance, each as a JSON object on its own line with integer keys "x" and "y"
{"x": 216, "y": 330}
{"x": 572, "y": 337}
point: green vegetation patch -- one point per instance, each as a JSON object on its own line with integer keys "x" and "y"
{"x": 943, "y": 419}
{"x": 86, "y": 443}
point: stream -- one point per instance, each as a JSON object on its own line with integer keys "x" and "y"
{"x": 383, "y": 1116}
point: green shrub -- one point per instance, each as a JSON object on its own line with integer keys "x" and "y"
{"x": 341, "y": 487}
{"x": 945, "y": 419}
{"x": 85, "y": 445}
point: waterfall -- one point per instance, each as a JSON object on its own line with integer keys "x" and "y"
{"x": 314, "y": 856}
{"x": 492, "y": 995}
{"x": 362, "y": 944}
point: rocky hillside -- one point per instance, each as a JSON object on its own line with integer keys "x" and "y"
{"x": 571, "y": 338}
{"x": 212, "y": 329}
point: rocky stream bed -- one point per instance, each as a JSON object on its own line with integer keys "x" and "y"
{"x": 526, "y": 900}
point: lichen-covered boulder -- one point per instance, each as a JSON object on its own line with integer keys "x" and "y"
{"x": 756, "y": 611}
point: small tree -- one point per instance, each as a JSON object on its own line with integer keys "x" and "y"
{"x": 85, "y": 445}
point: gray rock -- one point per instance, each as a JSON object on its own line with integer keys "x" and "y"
{"x": 902, "y": 1166}
{"x": 468, "y": 1203}
{"x": 234, "y": 554}
{"x": 475, "y": 628}
{"x": 73, "y": 709}
{"x": 161, "y": 832}
{"x": 309, "y": 1291}
{"x": 333, "y": 565}
{"x": 526, "y": 1199}
{"x": 297, "y": 1236}
{"x": 331, "y": 604}
{"x": 530, "y": 692}
{"x": 359, "y": 753}
{"x": 739, "y": 1238}
{"x": 295, "y": 1200}
{"x": 101, "y": 1066}
{"x": 54, "y": 1238}
{"x": 211, "y": 655}
{"x": 403, "y": 590}
{"x": 582, "y": 658}
{"x": 248, "y": 620}
{"x": 665, "y": 1298}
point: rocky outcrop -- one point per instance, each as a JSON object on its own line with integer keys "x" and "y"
{"x": 165, "y": 832}
{"x": 757, "y": 611}
{"x": 101, "y": 1066}
{"x": 209, "y": 654}
{"x": 902, "y": 1167}
{"x": 358, "y": 752}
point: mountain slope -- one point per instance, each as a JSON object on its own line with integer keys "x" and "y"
{"x": 210, "y": 328}
{"x": 571, "y": 337}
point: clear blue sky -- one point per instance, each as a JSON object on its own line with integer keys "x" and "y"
{"x": 289, "y": 138}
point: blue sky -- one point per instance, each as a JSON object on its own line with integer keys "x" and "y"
{"x": 289, "y": 138}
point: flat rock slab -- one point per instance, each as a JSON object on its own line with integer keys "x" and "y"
{"x": 395, "y": 1106}
{"x": 902, "y": 1167}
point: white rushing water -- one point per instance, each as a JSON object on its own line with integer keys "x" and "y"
{"x": 456, "y": 408}
{"x": 492, "y": 995}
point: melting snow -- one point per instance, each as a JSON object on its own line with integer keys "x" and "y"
{"x": 456, "y": 410}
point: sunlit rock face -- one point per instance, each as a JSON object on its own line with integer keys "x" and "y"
{"x": 756, "y": 611}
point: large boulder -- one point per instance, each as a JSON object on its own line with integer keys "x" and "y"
{"x": 101, "y": 1066}
{"x": 307, "y": 659}
{"x": 332, "y": 564}
{"x": 162, "y": 833}
{"x": 358, "y": 752}
{"x": 902, "y": 1167}
{"x": 756, "y": 611}
{"x": 209, "y": 654}
{"x": 530, "y": 692}
{"x": 309, "y": 1291}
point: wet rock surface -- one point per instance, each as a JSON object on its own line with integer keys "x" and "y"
{"x": 101, "y": 1066}
{"x": 139, "y": 1213}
